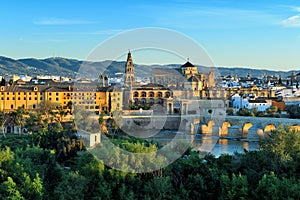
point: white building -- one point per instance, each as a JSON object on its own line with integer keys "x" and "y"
{"x": 260, "y": 104}
{"x": 239, "y": 102}
{"x": 90, "y": 139}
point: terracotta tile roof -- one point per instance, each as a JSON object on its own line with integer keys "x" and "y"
{"x": 166, "y": 72}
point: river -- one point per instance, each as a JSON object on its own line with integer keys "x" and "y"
{"x": 211, "y": 144}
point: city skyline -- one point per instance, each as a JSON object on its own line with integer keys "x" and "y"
{"x": 256, "y": 34}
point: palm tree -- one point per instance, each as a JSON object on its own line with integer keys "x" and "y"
{"x": 2, "y": 122}
{"x": 70, "y": 106}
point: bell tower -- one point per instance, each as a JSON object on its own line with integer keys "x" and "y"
{"x": 129, "y": 72}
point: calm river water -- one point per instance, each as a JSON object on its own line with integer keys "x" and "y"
{"x": 212, "y": 144}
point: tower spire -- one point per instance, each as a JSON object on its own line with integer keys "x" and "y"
{"x": 129, "y": 71}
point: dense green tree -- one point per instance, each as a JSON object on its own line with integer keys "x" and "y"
{"x": 243, "y": 112}
{"x": 9, "y": 190}
{"x": 284, "y": 143}
{"x": 72, "y": 186}
{"x": 230, "y": 111}
{"x": 271, "y": 187}
{"x": 56, "y": 171}
{"x": 159, "y": 188}
{"x": 70, "y": 106}
{"x": 35, "y": 122}
{"x": 294, "y": 111}
{"x": 234, "y": 188}
{"x": 15, "y": 177}
{"x": 273, "y": 111}
{"x": 253, "y": 112}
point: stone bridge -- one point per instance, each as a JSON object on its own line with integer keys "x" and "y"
{"x": 236, "y": 127}
{"x": 250, "y": 128}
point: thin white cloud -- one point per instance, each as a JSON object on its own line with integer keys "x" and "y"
{"x": 296, "y": 9}
{"x": 293, "y": 21}
{"x": 215, "y": 18}
{"x": 98, "y": 32}
{"x": 42, "y": 41}
{"x": 58, "y": 21}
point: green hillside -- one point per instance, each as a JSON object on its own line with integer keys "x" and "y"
{"x": 72, "y": 68}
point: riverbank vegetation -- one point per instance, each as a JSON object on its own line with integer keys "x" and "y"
{"x": 52, "y": 163}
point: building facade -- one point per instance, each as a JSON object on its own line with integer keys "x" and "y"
{"x": 95, "y": 99}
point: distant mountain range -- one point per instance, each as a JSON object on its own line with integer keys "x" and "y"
{"x": 72, "y": 68}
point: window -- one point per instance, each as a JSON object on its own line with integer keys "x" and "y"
{"x": 29, "y": 98}
{"x": 24, "y": 98}
{"x": 35, "y": 98}
{"x": 12, "y": 106}
{"x": 56, "y": 99}
{"x": 50, "y": 99}
{"x": 33, "y": 106}
{"x": 50, "y": 93}
{"x": 56, "y": 93}
{"x": 19, "y": 98}
{"x": 7, "y": 98}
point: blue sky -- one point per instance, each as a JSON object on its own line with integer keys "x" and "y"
{"x": 258, "y": 33}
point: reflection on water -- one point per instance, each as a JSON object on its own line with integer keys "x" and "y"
{"x": 212, "y": 144}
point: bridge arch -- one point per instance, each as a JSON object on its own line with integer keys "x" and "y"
{"x": 246, "y": 128}
{"x": 269, "y": 128}
{"x": 207, "y": 128}
{"x": 211, "y": 123}
{"x": 224, "y": 128}
{"x": 295, "y": 128}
